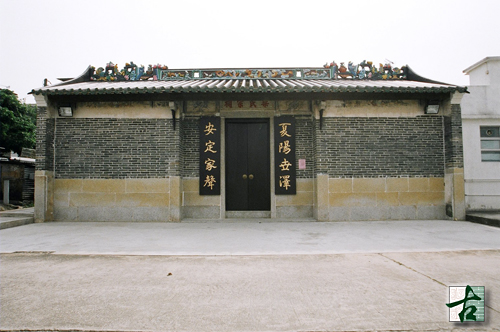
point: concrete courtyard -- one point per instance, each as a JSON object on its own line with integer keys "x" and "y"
{"x": 245, "y": 276}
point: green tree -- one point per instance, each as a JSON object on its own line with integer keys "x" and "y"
{"x": 17, "y": 123}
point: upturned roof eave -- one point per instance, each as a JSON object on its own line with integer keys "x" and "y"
{"x": 237, "y": 86}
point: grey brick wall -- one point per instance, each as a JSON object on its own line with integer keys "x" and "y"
{"x": 116, "y": 148}
{"x": 345, "y": 147}
{"x": 190, "y": 147}
{"x": 41, "y": 139}
{"x": 44, "y": 141}
{"x": 454, "y": 156}
{"x": 305, "y": 141}
{"x": 373, "y": 147}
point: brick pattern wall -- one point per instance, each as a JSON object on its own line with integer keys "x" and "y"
{"x": 49, "y": 148}
{"x": 453, "y": 138}
{"x": 304, "y": 141}
{"x": 379, "y": 147}
{"x": 44, "y": 141}
{"x": 190, "y": 147}
{"x": 116, "y": 148}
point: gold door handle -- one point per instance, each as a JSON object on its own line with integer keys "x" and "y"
{"x": 250, "y": 176}
{"x": 244, "y": 176}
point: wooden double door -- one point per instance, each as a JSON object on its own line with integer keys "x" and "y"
{"x": 247, "y": 155}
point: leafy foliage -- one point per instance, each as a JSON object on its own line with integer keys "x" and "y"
{"x": 17, "y": 123}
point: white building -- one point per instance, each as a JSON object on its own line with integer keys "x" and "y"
{"x": 481, "y": 135}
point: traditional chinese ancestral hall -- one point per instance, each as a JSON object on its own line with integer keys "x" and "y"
{"x": 332, "y": 143}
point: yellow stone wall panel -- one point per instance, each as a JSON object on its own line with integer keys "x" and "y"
{"x": 92, "y": 199}
{"x": 195, "y": 199}
{"x": 104, "y": 186}
{"x": 143, "y": 200}
{"x": 353, "y": 199}
{"x": 418, "y": 184}
{"x": 191, "y": 185}
{"x": 61, "y": 199}
{"x": 160, "y": 185}
{"x": 387, "y": 199}
{"x": 301, "y": 198}
{"x": 68, "y": 185}
{"x": 436, "y": 184}
{"x": 396, "y": 184}
{"x": 321, "y": 199}
{"x": 305, "y": 185}
{"x": 175, "y": 192}
{"x": 368, "y": 185}
{"x": 458, "y": 185}
{"x": 421, "y": 198}
{"x": 340, "y": 185}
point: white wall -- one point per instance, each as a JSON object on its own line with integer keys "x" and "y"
{"x": 481, "y": 108}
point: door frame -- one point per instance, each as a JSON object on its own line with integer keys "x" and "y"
{"x": 247, "y": 214}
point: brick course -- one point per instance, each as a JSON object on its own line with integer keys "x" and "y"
{"x": 190, "y": 147}
{"x": 304, "y": 140}
{"x": 380, "y": 147}
{"x": 453, "y": 138}
{"x": 44, "y": 141}
{"x": 116, "y": 148}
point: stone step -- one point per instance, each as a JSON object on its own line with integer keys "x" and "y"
{"x": 26, "y": 212}
{"x": 14, "y": 214}
{"x": 9, "y": 222}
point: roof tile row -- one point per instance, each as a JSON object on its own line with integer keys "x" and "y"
{"x": 243, "y": 85}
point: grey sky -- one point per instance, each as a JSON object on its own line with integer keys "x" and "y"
{"x": 60, "y": 38}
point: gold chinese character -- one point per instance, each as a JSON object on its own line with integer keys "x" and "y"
{"x": 284, "y": 127}
{"x": 210, "y": 164}
{"x": 209, "y": 129}
{"x": 285, "y": 181}
{"x": 210, "y": 146}
{"x": 210, "y": 182}
{"x": 285, "y": 165}
{"x": 285, "y": 147}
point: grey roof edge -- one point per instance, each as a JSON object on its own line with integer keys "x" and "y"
{"x": 411, "y": 76}
{"x": 84, "y": 77}
{"x": 480, "y": 62}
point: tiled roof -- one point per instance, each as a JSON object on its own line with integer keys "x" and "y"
{"x": 84, "y": 86}
{"x": 247, "y": 85}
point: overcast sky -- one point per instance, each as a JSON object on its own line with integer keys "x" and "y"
{"x": 438, "y": 39}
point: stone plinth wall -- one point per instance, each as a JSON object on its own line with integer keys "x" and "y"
{"x": 116, "y": 199}
{"x": 390, "y": 198}
{"x": 299, "y": 205}
{"x": 196, "y": 206}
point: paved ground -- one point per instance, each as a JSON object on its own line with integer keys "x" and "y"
{"x": 245, "y": 276}
{"x": 248, "y": 237}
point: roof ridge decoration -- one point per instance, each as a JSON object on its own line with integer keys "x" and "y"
{"x": 362, "y": 71}
{"x": 131, "y": 72}
{"x": 366, "y": 70}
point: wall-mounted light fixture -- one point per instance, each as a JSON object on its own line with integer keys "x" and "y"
{"x": 432, "y": 107}
{"x": 65, "y": 110}
{"x": 173, "y": 108}
{"x": 322, "y": 106}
